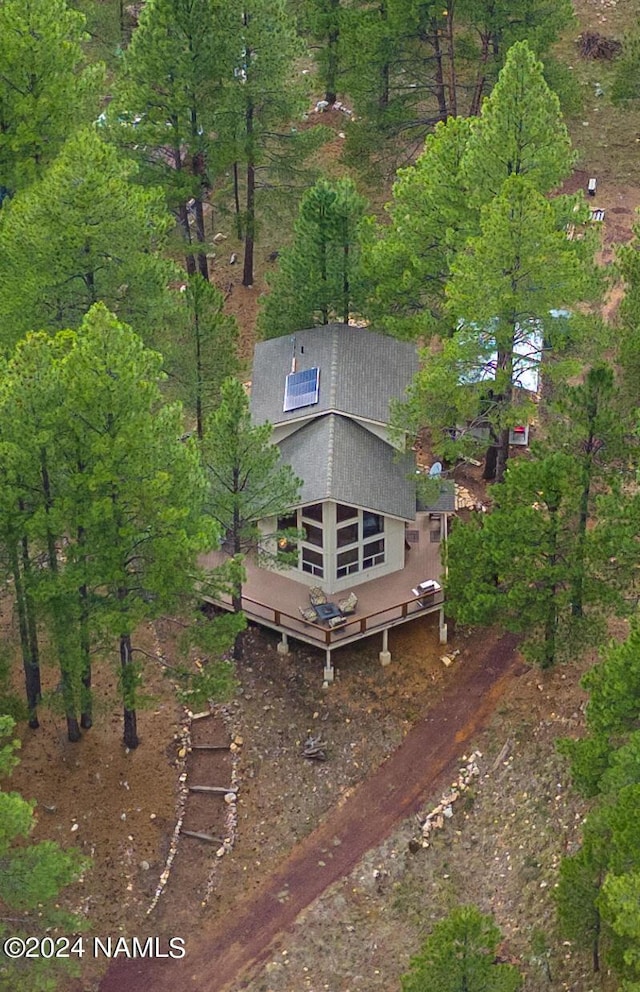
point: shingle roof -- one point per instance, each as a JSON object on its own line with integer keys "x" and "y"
{"x": 338, "y": 459}
{"x": 360, "y": 372}
{"x": 446, "y": 501}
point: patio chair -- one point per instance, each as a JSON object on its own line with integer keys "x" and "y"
{"x": 348, "y": 605}
{"x": 337, "y": 622}
{"x": 317, "y": 596}
{"x": 308, "y": 614}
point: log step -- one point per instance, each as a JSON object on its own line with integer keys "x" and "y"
{"x": 210, "y": 747}
{"x": 217, "y": 789}
{"x": 199, "y": 836}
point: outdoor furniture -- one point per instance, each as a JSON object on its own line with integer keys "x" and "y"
{"x": 349, "y": 604}
{"x": 309, "y": 614}
{"x": 426, "y": 591}
{"x": 317, "y": 596}
{"x": 337, "y": 622}
{"x": 327, "y": 611}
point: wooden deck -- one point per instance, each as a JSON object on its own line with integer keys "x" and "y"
{"x": 273, "y": 600}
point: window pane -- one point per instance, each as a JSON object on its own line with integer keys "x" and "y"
{"x": 348, "y": 557}
{"x": 373, "y": 548}
{"x": 347, "y": 570}
{"x": 313, "y": 512}
{"x": 312, "y": 562}
{"x": 344, "y": 512}
{"x": 372, "y": 523}
{"x": 373, "y": 554}
{"x": 313, "y": 535}
{"x": 347, "y": 535}
{"x": 290, "y": 522}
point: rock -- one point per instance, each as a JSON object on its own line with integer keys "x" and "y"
{"x": 230, "y": 797}
{"x": 74, "y": 827}
{"x": 145, "y": 865}
{"x": 217, "y": 238}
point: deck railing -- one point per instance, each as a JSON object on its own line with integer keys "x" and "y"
{"x": 356, "y": 626}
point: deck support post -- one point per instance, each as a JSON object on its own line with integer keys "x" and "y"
{"x": 329, "y": 673}
{"x": 443, "y": 626}
{"x": 283, "y": 645}
{"x": 385, "y": 654}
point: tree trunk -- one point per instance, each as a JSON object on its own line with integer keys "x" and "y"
{"x": 490, "y": 461}
{"x": 441, "y": 95}
{"x": 30, "y": 611}
{"x": 185, "y": 227}
{"x": 203, "y": 264}
{"x": 236, "y": 201}
{"x": 596, "y": 945}
{"x": 128, "y": 681}
{"x": 250, "y": 231}
{"x": 577, "y": 590}
{"x": 502, "y": 454}
{"x": 481, "y": 79}
{"x": 86, "y": 714}
{"x": 32, "y": 629}
{"x": 199, "y": 371}
{"x": 551, "y": 623}
{"x": 333, "y": 36}
{"x": 236, "y": 594}
{"x": 453, "y": 83}
{"x": 60, "y": 631}
{"x": 31, "y": 671}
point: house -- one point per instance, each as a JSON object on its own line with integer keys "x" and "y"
{"x": 357, "y": 487}
{"x": 327, "y": 392}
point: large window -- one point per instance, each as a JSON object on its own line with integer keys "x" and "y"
{"x": 310, "y": 522}
{"x": 312, "y": 562}
{"x": 356, "y": 550}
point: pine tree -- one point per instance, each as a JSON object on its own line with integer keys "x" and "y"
{"x": 612, "y": 712}
{"x": 400, "y": 72}
{"x": 520, "y": 132}
{"x": 246, "y": 481}
{"x": 84, "y": 233}
{"x": 138, "y": 492}
{"x": 518, "y": 567}
{"x": 494, "y": 27}
{"x": 407, "y": 267}
{"x": 263, "y": 100}
{"x": 587, "y": 422}
{"x": 180, "y": 56}
{"x": 33, "y": 875}
{"x": 459, "y": 955}
{"x": 322, "y": 21}
{"x": 202, "y": 349}
{"x": 319, "y": 278}
{"x": 46, "y": 90}
{"x": 30, "y": 425}
{"x": 503, "y": 288}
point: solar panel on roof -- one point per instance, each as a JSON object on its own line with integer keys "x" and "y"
{"x": 301, "y": 389}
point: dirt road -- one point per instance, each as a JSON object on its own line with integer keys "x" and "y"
{"x": 219, "y": 957}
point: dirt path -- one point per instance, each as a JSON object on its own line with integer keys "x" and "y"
{"x": 220, "y": 956}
